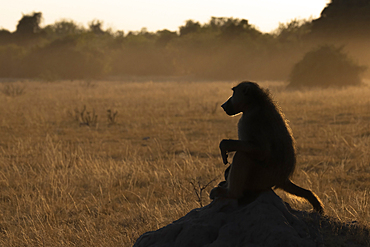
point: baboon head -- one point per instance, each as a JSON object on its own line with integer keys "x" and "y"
{"x": 243, "y": 96}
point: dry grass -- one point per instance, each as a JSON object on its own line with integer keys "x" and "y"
{"x": 64, "y": 183}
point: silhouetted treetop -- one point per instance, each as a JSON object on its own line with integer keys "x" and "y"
{"x": 63, "y": 28}
{"x": 164, "y": 37}
{"x": 5, "y": 36}
{"x": 293, "y": 31}
{"x": 226, "y": 28}
{"x": 230, "y": 27}
{"x": 29, "y": 24}
{"x": 344, "y": 17}
{"x": 95, "y": 26}
{"x": 190, "y": 27}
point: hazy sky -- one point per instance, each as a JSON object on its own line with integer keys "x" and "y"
{"x": 160, "y": 14}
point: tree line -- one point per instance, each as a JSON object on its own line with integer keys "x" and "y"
{"x": 222, "y": 48}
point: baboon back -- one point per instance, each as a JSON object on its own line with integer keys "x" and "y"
{"x": 264, "y": 125}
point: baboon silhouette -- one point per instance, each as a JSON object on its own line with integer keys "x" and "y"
{"x": 265, "y": 152}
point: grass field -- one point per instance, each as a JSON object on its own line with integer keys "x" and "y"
{"x": 75, "y": 177}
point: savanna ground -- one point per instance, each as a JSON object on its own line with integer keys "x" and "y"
{"x": 68, "y": 178}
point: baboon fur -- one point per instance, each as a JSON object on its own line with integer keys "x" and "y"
{"x": 265, "y": 152}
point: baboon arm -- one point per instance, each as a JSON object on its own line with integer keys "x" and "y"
{"x": 228, "y": 145}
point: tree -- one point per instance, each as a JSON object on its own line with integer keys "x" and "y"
{"x": 29, "y": 24}
{"x": 63, "y": 28}
{"x": 294, "y": 31}
{"x": 164, "y": 37}
{"x": 190, "y": 27}
{"x": 95, "y": 26}
{"x": 344, "y": 18}
{"x": 232, "y": 28}
{"x": 5, "y": 36}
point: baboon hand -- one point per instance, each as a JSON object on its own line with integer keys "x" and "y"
{"x": 223, "y": 151}
{"x": 224, "y": 157}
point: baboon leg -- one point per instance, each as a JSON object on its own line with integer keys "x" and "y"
{"x": 226, "y": 174}
{"x": 239, "y": 173}
{"x": 237, "y": 178}
{"x": 294, "y": 189}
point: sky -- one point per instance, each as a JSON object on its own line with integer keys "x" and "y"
{"x": 157, "y": 15}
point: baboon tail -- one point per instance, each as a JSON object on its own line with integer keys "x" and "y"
{"x": 294, "y": 189}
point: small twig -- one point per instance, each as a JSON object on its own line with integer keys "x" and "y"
{"x": 111, "y": 116}
{"x": 88, "y": 119}
{"x": 199, "y": 190}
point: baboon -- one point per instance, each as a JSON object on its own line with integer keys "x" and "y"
{"x": 265, "y": 152}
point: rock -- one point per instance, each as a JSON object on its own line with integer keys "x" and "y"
{"x": 267, "y": 221}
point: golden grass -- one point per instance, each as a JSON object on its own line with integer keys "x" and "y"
{"x": 67, "y": 184}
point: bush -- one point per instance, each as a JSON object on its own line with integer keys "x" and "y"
{"x": 70, "y": 57}
{"x": 326, "y": 66}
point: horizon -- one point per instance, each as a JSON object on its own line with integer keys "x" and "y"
{"x": 265, "y": 15}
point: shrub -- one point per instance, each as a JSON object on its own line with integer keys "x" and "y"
{"x": 10, "y": 57}
{"x": 326, "y": 66}
{"x": 13, "y": 90}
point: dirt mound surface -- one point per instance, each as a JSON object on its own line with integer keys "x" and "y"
{"x": 267, "y": 221}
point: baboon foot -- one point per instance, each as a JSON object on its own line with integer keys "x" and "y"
{"x": 218, "y": 192}
{"x": 222, "y": 184}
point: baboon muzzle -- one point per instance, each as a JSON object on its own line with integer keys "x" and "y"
{"x": 229, "y": 108}
{"x": 224, "y": 106}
